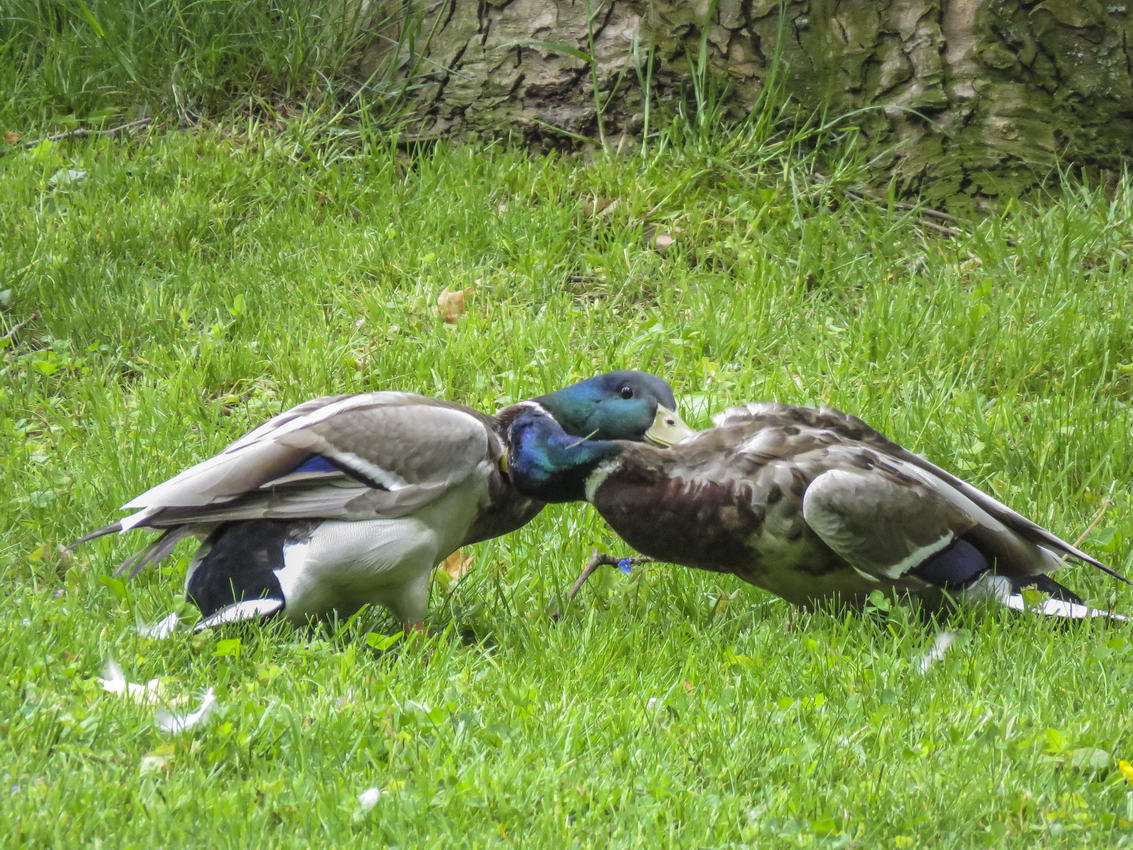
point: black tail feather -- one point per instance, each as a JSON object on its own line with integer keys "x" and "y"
{"x": 155, "y": 552}
{"x": 113, "y": 528}
{"x": 1048, "y": 586}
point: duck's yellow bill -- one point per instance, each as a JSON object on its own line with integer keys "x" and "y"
{"x": 667, "y": 429}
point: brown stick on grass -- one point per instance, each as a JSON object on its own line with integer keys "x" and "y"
{"x": 598, "y": 559}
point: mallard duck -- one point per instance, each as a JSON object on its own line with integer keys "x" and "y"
{"x": 812, "y": 505}
{"x": 352, "y": 499}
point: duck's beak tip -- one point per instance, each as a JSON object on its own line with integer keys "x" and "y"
{"x": 667, "y": 429}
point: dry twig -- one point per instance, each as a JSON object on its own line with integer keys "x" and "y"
{"x": 79, "y": 133}
{"x": 597, "y": 560}
{"x": 19, "y": 326}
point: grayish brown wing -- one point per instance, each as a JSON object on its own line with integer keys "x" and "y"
{"x": 842, "y": 426}
{"x": 393, "y": 451}
{"x": 885, "y": 524}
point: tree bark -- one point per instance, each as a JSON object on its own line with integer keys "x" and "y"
{"x": 974, "y": 97}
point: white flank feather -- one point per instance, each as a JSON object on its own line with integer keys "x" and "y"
{"x": 1060, "y": 608}
{"x": 162, "y": 629}
{"x": 176, "y": 723}
{"x": 237, "y": 612}
{"x": 114, "y": 681}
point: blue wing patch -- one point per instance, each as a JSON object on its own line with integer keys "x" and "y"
{"x": 315, "y": 463}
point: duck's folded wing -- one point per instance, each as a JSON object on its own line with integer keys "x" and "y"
{"x": 888, "y": 522}
{"x": 843, "y": 426}
{"x": 1004, "y": 514}
{"x": 371, "y": 454}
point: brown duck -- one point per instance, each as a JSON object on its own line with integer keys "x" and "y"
{"x": 810, "y": 504}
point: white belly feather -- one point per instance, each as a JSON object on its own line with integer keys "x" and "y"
{"x": 387, "y": 561}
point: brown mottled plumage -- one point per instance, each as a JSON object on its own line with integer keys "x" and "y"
{"x": 812, "y": 505}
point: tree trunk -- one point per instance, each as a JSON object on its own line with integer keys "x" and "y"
{"x": 975, "y": 97}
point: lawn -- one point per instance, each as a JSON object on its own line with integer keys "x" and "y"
{"x": 165, "y": 291}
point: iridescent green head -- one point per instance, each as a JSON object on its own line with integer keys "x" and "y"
{"x": 622, "y": 405}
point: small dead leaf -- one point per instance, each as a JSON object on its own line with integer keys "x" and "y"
{"x": 11, "y": 137}
{"x": 594, "y": 206}
{"x": 457, "y": 564}
{"x": 688, "y": 686}
{"x": 663, "y": 240}
{"x": 65, "y": 562}
{"x": 450, "y": 305}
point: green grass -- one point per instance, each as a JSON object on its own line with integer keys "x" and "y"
{"x": 66, "y": 62}
{"x": 193, "y": 284}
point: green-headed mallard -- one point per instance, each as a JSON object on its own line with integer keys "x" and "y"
{"x": 812, "y": 505}
{"x": 353, "y": 499}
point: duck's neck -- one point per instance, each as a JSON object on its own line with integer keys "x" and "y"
{"x": 549, "y": 464}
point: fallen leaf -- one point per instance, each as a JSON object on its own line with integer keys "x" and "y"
{"x": 594, "y": 206}
{"x": 457, "y": 564}
{"x": 11, "y": 137}
{"x": 450, "y": 305}
{"x": 66, "y": 560}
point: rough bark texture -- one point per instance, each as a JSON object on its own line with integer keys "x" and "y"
{"x": 976, "y": 96}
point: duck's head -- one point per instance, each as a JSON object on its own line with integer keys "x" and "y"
{"x": 621, "y": 405}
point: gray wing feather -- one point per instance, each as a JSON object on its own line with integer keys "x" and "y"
{"x": 856, "y": 429}
{"x": 411, "y": 446}
{"x": 884, "y": 526}
{"x": 343, "y": 499}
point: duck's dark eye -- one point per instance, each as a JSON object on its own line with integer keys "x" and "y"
{"x": 625, "y": 391}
